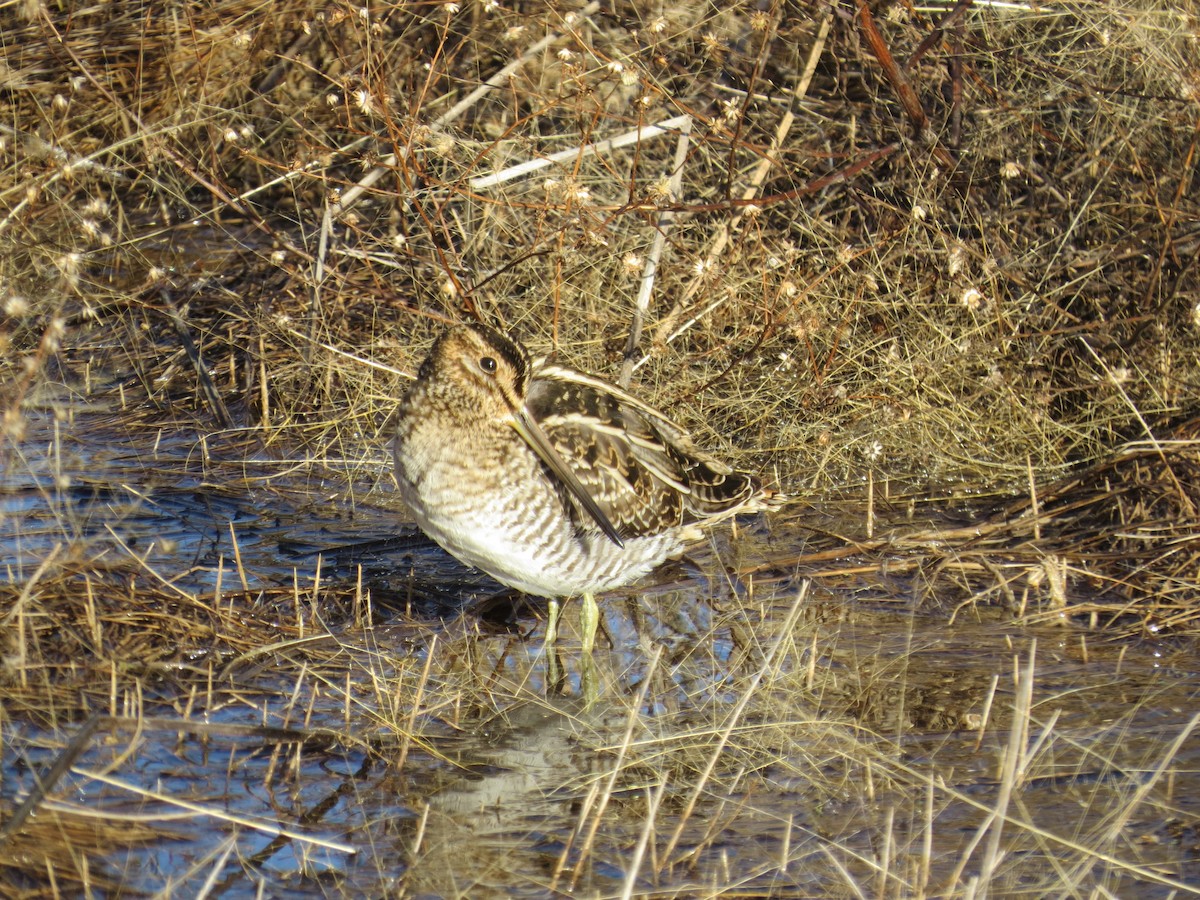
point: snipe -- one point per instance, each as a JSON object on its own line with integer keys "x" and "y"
{"x": 552, "y": 481}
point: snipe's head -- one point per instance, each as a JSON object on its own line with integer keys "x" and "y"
{"x": 488, "y": 372}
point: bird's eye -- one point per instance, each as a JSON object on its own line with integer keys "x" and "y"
{"x": 487, "y": 364}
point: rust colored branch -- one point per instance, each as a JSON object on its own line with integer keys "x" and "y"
{"x": 897, "y": 79}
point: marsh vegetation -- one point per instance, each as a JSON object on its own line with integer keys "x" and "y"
{"x": 931, "y": 270}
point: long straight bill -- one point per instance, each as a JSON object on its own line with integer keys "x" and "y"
{"x": 533, "y": 435}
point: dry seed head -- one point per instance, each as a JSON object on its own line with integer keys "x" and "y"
{"x": 759, "y": 21}
{"x": 68, "y": 265}
{"x": 713, "y": 45}
{"x": 1010, "y": 170}
{"x": 443, "y": 144}
{"x": 956, "y": 262}
{"x": 54, "y": 333}
{"x": 97, "y": 206}
{"x": 972, "y": 299}
{"x": 578, "y": 194}
{"x": 632, "y": 264}
{"x": 661, "y": 191}
{"x": 16, "y": 306}
{"x": 14, "y": 424}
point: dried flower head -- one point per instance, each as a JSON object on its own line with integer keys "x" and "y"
{"x": 956, "y": 261}
{"x": 16, "y": 306}
{"x": 972, "y": 299}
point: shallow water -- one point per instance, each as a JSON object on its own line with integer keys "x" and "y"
{"x": 464, "y": 758}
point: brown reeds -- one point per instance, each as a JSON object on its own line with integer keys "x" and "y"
{"x": 936, "y": 264}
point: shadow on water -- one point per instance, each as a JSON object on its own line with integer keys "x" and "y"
{"x": 385, "y": 727}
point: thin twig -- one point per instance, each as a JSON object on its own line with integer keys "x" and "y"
{"x": 646, "y": 288}
{"x": 633, "y": 136}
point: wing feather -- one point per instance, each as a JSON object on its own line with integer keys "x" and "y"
{"x": 641, "y": 469}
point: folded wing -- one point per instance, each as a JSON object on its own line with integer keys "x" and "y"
{"x": 640, "y": 468}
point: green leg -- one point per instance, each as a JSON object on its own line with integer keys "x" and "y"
{"x": 589, "y": 679}
{"x": 554, "y": 675}
{"x": 552, "y": 611}
{"x": 589, "y": 623}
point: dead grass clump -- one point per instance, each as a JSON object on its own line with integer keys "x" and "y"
{"x": 82, "y": 644}
{"x": 1011, "y": 285}
{"x": 1127, "y": 525}
{"x": 63, "y": 851}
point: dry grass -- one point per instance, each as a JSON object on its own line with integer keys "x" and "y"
{"x": 937, "y": 262}
{"x": 1013, "y": 286}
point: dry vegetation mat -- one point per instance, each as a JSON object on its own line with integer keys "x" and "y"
{"x": 930, "y": 268}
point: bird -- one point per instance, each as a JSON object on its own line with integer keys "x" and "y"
{"x": 551, "y": 480}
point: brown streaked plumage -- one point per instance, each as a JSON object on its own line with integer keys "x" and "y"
{"x": 551, "y": 480}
